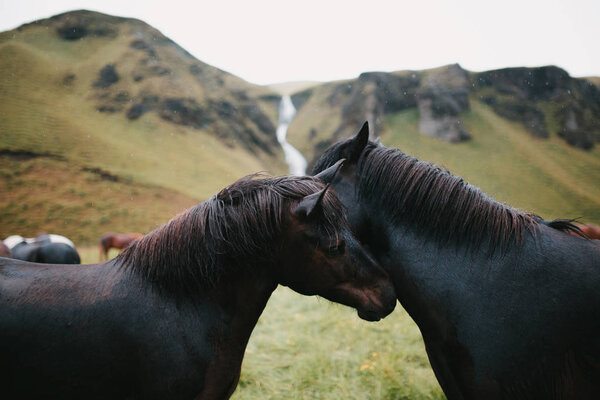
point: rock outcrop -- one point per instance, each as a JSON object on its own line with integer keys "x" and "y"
{"x": 442, "y": 97}
{"x": 543, "y": 100}
{"x": 535, "y": 96}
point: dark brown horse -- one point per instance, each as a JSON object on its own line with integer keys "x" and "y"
{"x": 170, "y": 317}
{"x": 508, "y": 304}
{"x": 119, "y": 241}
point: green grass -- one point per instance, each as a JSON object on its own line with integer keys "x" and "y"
{"x": 308, "y": 348}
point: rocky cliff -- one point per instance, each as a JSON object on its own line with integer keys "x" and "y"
{"x": 541, "y": 99}
{"x": 524, "y": 94}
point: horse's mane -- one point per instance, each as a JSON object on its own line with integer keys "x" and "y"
{"x": 567, "y": 225}
{"x": 433, "y": 202}
{"x": 234, "y": 231}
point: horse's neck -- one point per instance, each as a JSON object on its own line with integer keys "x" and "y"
{"x": 435, "y": 282}
{"x": 422, "y": 273}
{"x": 239, "y": 304}
{"x": 230, "y": 309}
{"x": 243, "y": 299}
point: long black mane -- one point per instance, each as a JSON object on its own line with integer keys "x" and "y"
{"x": 435, "y": 203}
{"x": 237, "y": 229}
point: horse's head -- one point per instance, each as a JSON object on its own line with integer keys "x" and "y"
{"x": 322, "y": 257}
{"x": 348, "y": 149}
{"x": 345, "y": 181}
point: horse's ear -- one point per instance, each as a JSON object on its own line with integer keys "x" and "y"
{"x": 310, "y": 204}
{"x": 330, "y": 173}
{"x": 358, "y": 143}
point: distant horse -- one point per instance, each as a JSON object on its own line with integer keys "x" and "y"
{"x": 4, "y": 250}
{"x": 589, "y": 231}
{"x": 170, "y": 317}
{"x": 45, "y": 248}
{"x": 507, "y": 303}
{"x": 116, "y": 240}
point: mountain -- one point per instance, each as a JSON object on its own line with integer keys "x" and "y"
{"x": 108, "y": 125}
{"x": 90, "y": 96}
{"x": 527, "y": 136}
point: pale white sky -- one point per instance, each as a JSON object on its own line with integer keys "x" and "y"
{"x": 269, "y": 41}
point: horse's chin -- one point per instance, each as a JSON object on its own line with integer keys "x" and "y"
{"x": 377, "y": 313}
{"x": 369, "y": 315}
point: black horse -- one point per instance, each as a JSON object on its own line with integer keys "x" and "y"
{"x": 508, "y": 304}
{"x": 47, "y": 249}
{"x": 170, "y": 317}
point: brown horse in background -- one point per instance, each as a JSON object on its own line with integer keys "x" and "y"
{"x": 4, "y": 250}
{"x": 116, "y": 240}
{"x": 589, "y": 231}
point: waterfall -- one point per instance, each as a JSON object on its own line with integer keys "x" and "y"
{"x": 293, "y": 157}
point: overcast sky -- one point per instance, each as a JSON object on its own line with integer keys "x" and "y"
{"x": 269, "y": 41}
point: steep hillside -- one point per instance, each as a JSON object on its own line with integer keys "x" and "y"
{"x": 113, "y": 94}
{"x": 525, "y": 136}
{"x": 46, "y": 193}
{"x": 546, "y": 176}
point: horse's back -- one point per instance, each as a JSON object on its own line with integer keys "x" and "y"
{"x": 46, "y": 252}
{"x": 54, "y": 238}
{"x": 16, "y": 272}
{"x": 49, "y": 316}
{"x": 549, "y": 322}
{"x": 107, "y": 237}
{"x": 573, "y": 259}
{"x": 12, "y": 268}
{"x": 93, "y": 331}
{"x": 530, "y": 321}
{"x": 57, "y": 253}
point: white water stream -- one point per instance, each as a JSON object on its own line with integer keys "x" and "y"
{"x": 293, "y": 157}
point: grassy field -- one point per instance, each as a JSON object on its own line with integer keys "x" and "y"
{"x": 41, "y": 115}
{"x": 308, "y": 348}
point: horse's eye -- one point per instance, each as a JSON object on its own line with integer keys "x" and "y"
{"x": 336, "y": 249}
